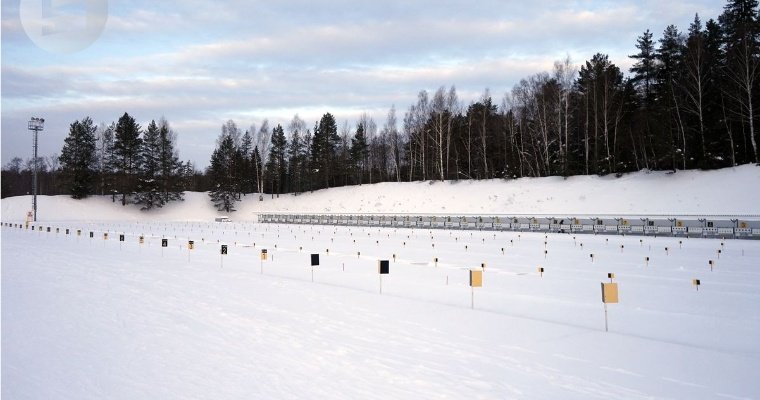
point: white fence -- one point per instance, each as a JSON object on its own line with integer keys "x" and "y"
{"x": 654, "y": 226}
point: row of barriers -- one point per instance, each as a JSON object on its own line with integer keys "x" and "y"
{"x": 701, "y": 226}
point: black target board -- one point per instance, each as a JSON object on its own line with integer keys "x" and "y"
{"x": 383, "y": 267}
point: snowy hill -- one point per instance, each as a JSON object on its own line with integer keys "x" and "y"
{"x": 730, "y": 191}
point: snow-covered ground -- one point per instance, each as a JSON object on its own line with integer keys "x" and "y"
{"x": 90, "y": 318}
{"x": 730, "y": 191}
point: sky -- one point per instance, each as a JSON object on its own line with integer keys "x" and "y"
{"x": 200, "y": 63}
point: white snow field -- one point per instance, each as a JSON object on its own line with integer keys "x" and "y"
{"x": 729, "y": 191}
{"x": 95, "y": 318}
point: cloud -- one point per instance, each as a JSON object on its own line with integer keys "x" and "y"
{"x": 199, "y": 63}
{"x": 403, "y": 42}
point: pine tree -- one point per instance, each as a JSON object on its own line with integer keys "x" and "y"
{"x": 669, "y": 56}
{"x": 741, "y": 30}
{"x": 244, "y": 163}
{"x": 127, "y": 155}
{"x": 341, "y": 162}
{"x": 481, "y": 116}
{"x": 297, "y": 155}
{"x": 600, "y": 85}
{"x": 694, "y": 86}
{"x": 78, "y": 158}
{"x": 296, "y": 162}
{"x": 148, "y": 195}
{"x": 162, "y": 175}
{"x": 222, "y": 173}
{"x": 359, "y": 152}
{"x": 323, "y": 149}
{"x": 645, "y": 68}
{"x": 171, "y": 173}
{"x": 188, "y": 175}
{"x": 718, "y": 139}
{"x": 277, "y": 166}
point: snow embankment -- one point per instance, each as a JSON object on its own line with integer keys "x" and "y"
{"x": 729, "y": 191}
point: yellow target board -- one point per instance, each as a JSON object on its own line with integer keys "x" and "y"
{"x": 476, "y": 278}
{"x": 609, "y": 293}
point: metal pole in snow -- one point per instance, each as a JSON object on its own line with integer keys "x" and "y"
{"x": 606, "y": 329}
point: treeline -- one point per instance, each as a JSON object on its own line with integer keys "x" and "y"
{"x": 133, "y": 164}
{"x": 16, "y": 176}
{"x": 136, "y": 165}
{"x": 689, "y": 101}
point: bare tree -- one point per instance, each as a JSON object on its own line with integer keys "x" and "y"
{"x": 743, "y": 64}
{"x": 420, "y": 123}
{"x": 263, "y": 140}
{"x": 415, "y": 126}
{"x": 519, "y": 104}
{"x": 104, "y": 149}
{"x": 343, "y": 153}
{"x": 438, "y": 111}
{"x": 394, "y": 142}
{"x": 565, "y": 73}
{"x": 409, "y": 135}
{"x": 370, "y": 131}
{"x": 484, "y": 129}
{"x": 230, "y": 128}
{"x": 453, "y": 107}
{"x": 694, "y": 82}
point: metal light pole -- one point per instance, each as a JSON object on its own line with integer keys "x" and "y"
{"x": 36, "y": 125}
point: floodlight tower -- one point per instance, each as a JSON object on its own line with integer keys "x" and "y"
{"x": 36, "y": 125}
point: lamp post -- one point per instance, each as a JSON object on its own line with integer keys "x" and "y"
{"x": 36, "y": 125}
